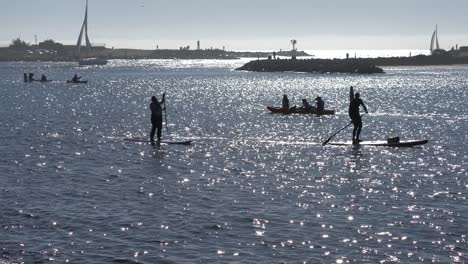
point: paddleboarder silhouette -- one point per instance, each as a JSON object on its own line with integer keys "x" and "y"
{"x": 156, "y": 117}
{"x": 354, "y": 102}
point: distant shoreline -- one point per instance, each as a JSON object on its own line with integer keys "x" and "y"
{"x": 68, "y": 54}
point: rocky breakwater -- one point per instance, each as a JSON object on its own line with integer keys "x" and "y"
{"x": 312, "y": 65}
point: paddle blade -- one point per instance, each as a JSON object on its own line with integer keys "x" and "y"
{"x": 326, "y": 142}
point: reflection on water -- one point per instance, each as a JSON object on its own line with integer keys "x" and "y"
{"x": 254, "y": 186}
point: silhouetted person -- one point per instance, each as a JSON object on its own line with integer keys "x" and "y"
{"x": 306, "y": 105}
{"x": 25, "y": 76}
{"x": 31, "y": 77}
{"x": 156, "y": 116}
{"x": 76, "y": 78}
{"x": 355, "y": 102}
{"x": 320, "y": 104}
{"x": 285, "y": 104}
{"x": 43, "y": 78}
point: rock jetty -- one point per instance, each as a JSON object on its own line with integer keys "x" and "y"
{"x": 312, "y": 66}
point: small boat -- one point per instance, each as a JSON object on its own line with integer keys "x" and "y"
{"x": 70, "y": 81}
{"x": 435, "y": 48}
{"x": 42, "y": 81}
{"x": 280, "y": 110}
{"x": 89, "y": 47}
{"x": 92, "y": 61}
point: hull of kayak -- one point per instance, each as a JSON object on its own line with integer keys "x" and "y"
{"x": 280, "y": 110}
{"x": 69, "y": 81}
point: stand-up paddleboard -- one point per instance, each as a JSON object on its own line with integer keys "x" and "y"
{"x": 168, "y": 142}
{"x": 382, "y": 143}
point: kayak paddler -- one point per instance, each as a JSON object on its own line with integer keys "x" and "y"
{"x": 285, "y": 104}
{"x": 320, "y": 104}
{"x": 354, "y": 102}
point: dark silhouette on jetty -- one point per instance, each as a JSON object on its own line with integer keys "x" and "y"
{"x": 312, "y": 66}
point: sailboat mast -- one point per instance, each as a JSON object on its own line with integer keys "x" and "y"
{"x": 84, "y": 29}
{"x": 88, "y": 43}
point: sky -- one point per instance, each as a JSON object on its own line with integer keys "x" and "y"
{"x": 240, "y": 24}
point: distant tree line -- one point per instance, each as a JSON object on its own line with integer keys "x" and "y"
{"x": 20, "y": 45}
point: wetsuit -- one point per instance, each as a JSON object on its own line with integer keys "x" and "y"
{"x": 285, "y": 103}
{"x": 156, "y": 119}
{"x": 320, "y": 105}
{"x": 306, "y": 105}
{"x": 356, "y": 117}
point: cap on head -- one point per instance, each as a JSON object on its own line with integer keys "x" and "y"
{"x": 153, "y": 98}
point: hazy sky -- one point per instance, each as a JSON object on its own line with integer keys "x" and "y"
{"x": 240, "y": 24}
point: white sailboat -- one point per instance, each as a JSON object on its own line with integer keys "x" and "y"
{"x": 435, "y": 49}
{"x": 84, "y": 30}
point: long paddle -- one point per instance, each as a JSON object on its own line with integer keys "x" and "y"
{"x": 165, "y": 111}
{"x": 328, "y": 140}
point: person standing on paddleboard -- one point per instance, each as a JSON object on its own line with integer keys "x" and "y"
{"x": 156, "y": 116}
{"x": 355, "y": 102}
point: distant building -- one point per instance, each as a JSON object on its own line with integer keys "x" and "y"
{"x": 99, "y": 46}
{"x": 463, "y": 51}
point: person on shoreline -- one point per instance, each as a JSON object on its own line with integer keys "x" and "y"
{"x": 43, "y": 78}
{"x": 156, "y": 117}
{"x": 31, "y": 77}
{"x": 285, "y": 104}
{"x": 354, "y": 103}
{"x": 320, "y": 104}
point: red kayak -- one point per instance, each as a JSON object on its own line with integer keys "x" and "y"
{"x": 302, "y": 111}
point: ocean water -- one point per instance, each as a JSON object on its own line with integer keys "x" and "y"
{"x": 254, "y": 187}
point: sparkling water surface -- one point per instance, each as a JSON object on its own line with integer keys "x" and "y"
{"x": 254, "y": 187}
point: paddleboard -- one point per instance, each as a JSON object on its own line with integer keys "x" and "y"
{"x": 168, "y": 142}
{"x": 382, "y": 143}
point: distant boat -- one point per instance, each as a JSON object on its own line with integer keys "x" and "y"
{"x": 84, "y": 29}
{"x": 92, "y": 61}
{"x": 435, "y": 49}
